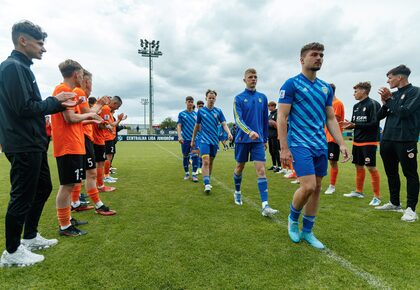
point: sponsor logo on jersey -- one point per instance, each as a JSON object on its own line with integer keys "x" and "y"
{"x": 282, "y": 94}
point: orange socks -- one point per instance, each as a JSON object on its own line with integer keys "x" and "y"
{"x": 75, "y": 193}
{"x": 63, "y": 215}
{"x": 333, "y": 177}
{"x": 99, "y": 176}
{"x": 360, "y": 179}
{"x": 107, "y": 166}
{"x": 375, "y": 182}
{"x": 94, "y": 195}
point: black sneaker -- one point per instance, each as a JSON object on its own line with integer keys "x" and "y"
{"x": 84, "y": 198}
{"x": 277, "y": 169}
{"x": 75, "y": 222}
{"x": 271, "y": 168}
{"x": 71, "y": 231}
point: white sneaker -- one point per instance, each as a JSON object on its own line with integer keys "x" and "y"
{"x": 288, "y": 173}
{"x": 409, "y": 215}
{"x": 268, "y": 211}
{"x": 186, "y": 177}
{"x": 282, "y": 171}
{"x": 390, "y": 207}
{"x": 207, "y": 188}
{"x": 330, "y": 189}
{"x": 109, "y": 179}
{"x": 354, "y": 194}
{"x": 38, "y": 243}
{"x": 237, "y": 197}
{"x": 296, "y": 181}
{"x": 21, "y": 258}
{"x": 375, "y": 201}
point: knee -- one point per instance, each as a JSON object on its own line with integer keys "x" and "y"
{"x": 310, "y": 188}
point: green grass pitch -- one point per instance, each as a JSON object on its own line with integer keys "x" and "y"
{"x": 168, "y": 235}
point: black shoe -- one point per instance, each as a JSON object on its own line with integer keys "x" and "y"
{"x": 71, "y": 231}
{"x": 271, "y": 168}
{"x": 83, "y": 198}
{"x": 75, "y": 222}
{"x": 277, "y": 169}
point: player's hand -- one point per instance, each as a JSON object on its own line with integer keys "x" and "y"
{"x": 104, "y": 100}
{"x": 265, "y": 146}
{"x": 347, "y": 124}
{"x": 230, "y": 137}
{"x": 385, "y": 94}
{"x": 181, "y": 141}
{"x": 69, "y": 103}
{"x": 253, "y": 135}
{"x": 345, "y": 151}
{"x": 122, "y": 117}
{"x": 286, "y": 156}
{"x": 65, "y": 96}
{"x": 192, "y": 143}
{"x": 272, "y": 123}
{"x": 109, "y": 127}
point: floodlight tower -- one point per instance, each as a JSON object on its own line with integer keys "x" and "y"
{"x": 150, "y": 49}
{"x": 144, "y": 102}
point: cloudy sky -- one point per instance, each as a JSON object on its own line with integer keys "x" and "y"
{"x": 208, "y": 44}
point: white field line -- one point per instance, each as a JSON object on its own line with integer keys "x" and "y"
{"x": 372, "y": 280}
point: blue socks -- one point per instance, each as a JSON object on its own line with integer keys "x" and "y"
{"x": 263, "y": 188}
{"x": 237, "y": 179}
{"x": 186, "y": 163}
{"x": 206, "y": 179}
{"x": 194, "y": 158}
{"x": 294, "y": 213}
{"x": 308, "y": 223}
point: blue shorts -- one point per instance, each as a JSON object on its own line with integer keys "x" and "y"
{"x": 245, "y": 150}
{"x": 208, "y": 149}
{"x": 310, "y": 161}
{"x": 186, "y": 147}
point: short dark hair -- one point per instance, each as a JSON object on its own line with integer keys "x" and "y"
{"x": 272, "y": 103}
{"x": 87, "y": 73}
{"x": 364, "y": 86}
{"x": 311, "y": 46}
{"x": 68, "y": 67}
{"x": 189, "y": 98}
{"x": 209, "y": 91}
{"x": 333, "y": 87}
{"x": 400, "y": 70}
{"x": 28, "y": 28}
{"x": 117, "y": 98}
{"x": 92, "y": 101}
{"x": 200, "y": 102}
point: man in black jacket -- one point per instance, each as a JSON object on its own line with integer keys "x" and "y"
{"x": 24, "y": 141}
{"x": 399, "y": 140}
{"x": 273, "y": 141}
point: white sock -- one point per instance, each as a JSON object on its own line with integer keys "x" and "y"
{"x": 99, "y": 204}
{"x": 264, "y": 204}
{"x": 75, "y": 204}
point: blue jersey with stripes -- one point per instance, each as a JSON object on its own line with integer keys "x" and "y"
{"x": 250, "y": 110}
{"x": 187, "y": 121}
{"x": 209, "y": 120}
{"x": 198, "y": 136}
{"x": 307, "y": 115}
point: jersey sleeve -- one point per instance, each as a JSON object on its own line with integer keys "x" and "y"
{"x": 330, "y": 96}
{"x": 199, "y": 117}
{"x": 221, "y": 117}
{"x": 179, "y": 119}
{"x": 287, "y": 92}
{"x": 265, "y": 120}
{"x": 237, "y": 112}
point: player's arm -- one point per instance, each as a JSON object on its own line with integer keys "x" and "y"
{"x": 226, "y": 128}
{"x": 194, "y": 135}
{"x": 179, "y": 130}
{"x": 334, "y": 130}
{"x": 409, "y": 107}
{"x": 237, "y": 113}
{"x": 282, "y": 116}
{"x": 265, "y": 123}
{"x": 21, "y": 101}
{"x": 71, "y": 117}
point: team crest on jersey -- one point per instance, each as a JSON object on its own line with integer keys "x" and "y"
{"x": 411, "y": 155}
{"x": 106, "y": 117}
{"x": 259, "y": 100}
{"x": 367, "y": 160}
{"x": 325, "y": 90}
{"x": 83, "y": 98}
{"x": 245, "y": 100}
{"x": 402, "y": 97}
{"x": 282, "y": 94}
{"x": 215, "y": 115}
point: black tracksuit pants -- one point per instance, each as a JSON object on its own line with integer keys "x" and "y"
{"x": 274, "y": 147}
{"x": 30, "y": 188}
{"x": 392, "y": 154}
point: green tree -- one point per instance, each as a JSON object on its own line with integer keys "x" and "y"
{"x": 168, "y": 123}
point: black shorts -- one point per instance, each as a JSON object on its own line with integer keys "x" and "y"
{"x": 110, "y": 147}
{"x": 89, "y": 158}
{"x": 364, "y": 155}
{"x": 99, "y": 152}
{"x": 70, "y": 169}
{"x": 333, "y": 151}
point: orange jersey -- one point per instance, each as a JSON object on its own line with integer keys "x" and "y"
{"x": 87, "y": 129}
{"x": 68, "y": 138}
{"x": 339, "y": 114}
{"x": 108, "y": 118}
{"x": 98, "y": 133}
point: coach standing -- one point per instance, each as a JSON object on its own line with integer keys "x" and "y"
{"x": 399, "y": 140}
{"x": 24, "y": 141}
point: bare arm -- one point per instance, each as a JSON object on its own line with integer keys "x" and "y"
{"x": 196, "y": 128}
{"x": 282, "y": 116}
{"x": 71, "y": 117}
{"x": 226, "y": 128}
{"x": 178, "y": 129}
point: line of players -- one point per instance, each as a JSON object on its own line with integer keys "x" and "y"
{"x": 308, "y": 109}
